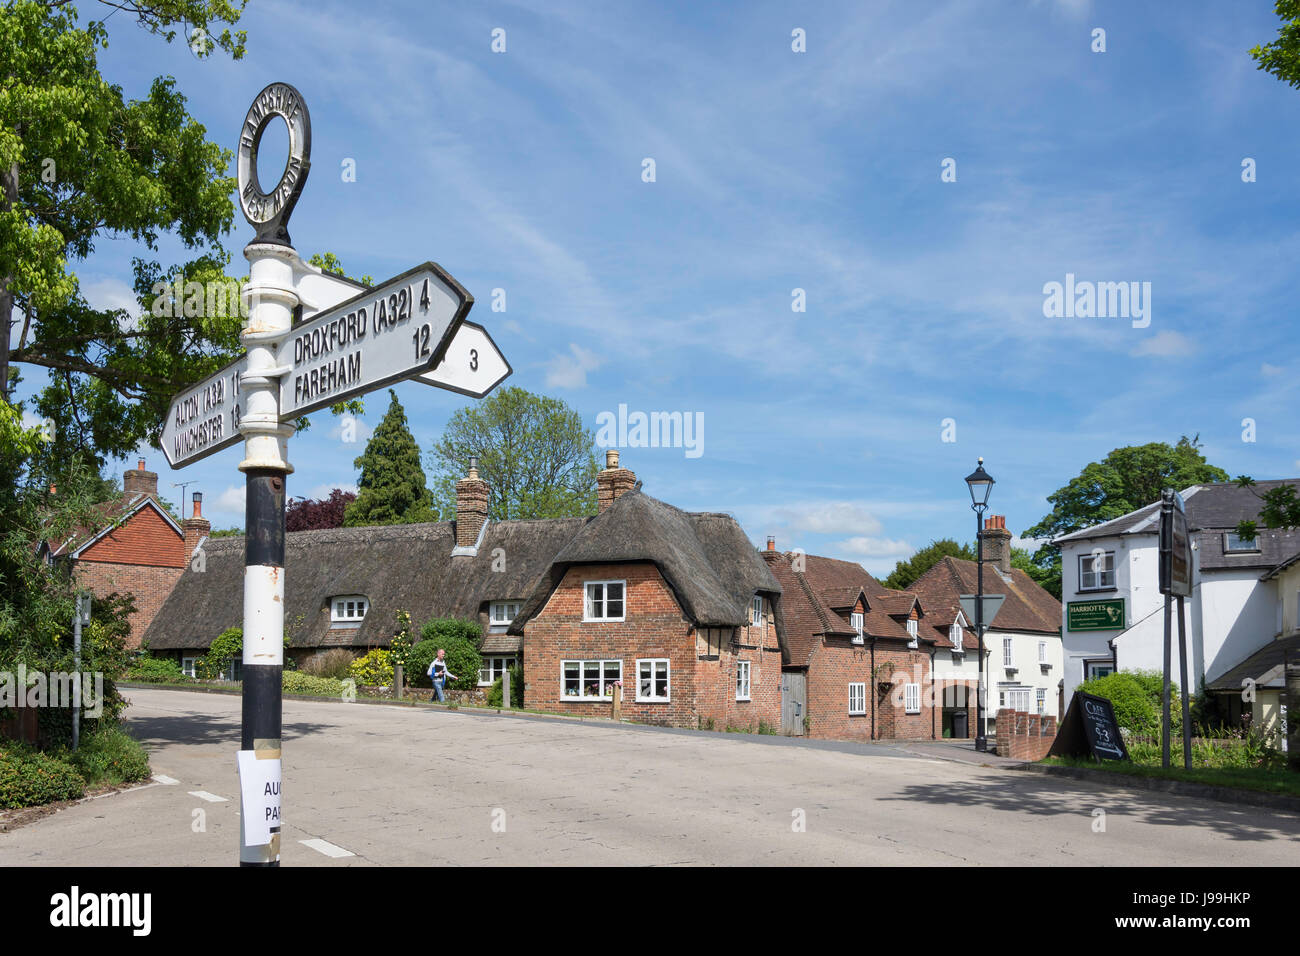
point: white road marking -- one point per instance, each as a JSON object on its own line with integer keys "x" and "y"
{"x": 163, "y": 778}
{"x": 329, "y": 849}
{"x": 210, "y": 797}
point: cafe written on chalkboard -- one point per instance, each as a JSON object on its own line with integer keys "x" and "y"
{"x": 1089, "y": 730}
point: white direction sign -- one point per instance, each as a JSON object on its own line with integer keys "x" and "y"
{"x": 472, "y": 366}
{"x": 388, "y": 333}
{"x": 204, "y": 419}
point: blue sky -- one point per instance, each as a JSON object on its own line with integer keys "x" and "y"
{"x": 820, "y": 170}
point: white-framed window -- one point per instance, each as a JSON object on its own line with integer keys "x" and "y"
{"x": 913, "y": 628}
{"x": 493, "y": 667}
{"x": 955, "y": 635}
{"x": 1235, "y": 542}
{"x": 348, "y": 609}
{"x": 1040, "y": 696}
{"x": 857, "y": 699}
{"x": 1042, "y": 652}
{"x": 742, "y": 680}
{"x": 912, "y": 698}
{"x": 589, "y": 680}
{"x": 187, "y": 666}
{"x": 756, "y": 611}
{"x": 604, "y": 600}
{"x": 1007, "y": 659}
{"x": 1017, "y": 698}
{"x": 856, "y": 620}
{"x": 1096, "y": 571}
{"x": 652, "y": 680}
{"x": 1093, "y": 669}
{"x": 502, "y": 612}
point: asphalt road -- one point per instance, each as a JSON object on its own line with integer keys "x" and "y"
{"x": 404, "y": 786}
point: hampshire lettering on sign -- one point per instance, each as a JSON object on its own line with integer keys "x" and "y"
{"x": 205, "y": 418}
{"x": 268, "y": 212}
{"x": 393, "y": 331}
{"x": 1094, "y": 615}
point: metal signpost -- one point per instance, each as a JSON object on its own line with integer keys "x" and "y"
{"x": 349, "y": 339}
{"x": 1175, "y": 581}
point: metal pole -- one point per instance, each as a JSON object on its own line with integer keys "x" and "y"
{"x": 76, "y": 673}
{"x": 1164, "y": 712}
{"x": 982, "y": 738}
{"x": 1182, "y": 675}
{"x": 271, "y": 305}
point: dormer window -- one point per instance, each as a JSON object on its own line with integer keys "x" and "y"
{"x": 855, "y": 619}
{"x": 912, "y": 629}
{"x": 501, "y": 613}
{"x": 348, "y": 609}
{"x": 756, "y": 612}
{"x": 955, "y": 635}
{"x": 1234, "y": 543}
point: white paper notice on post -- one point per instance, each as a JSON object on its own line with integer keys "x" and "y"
{"x": 259, "y": 785}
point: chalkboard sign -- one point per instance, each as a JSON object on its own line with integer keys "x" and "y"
{"x": 1089, "y": 730}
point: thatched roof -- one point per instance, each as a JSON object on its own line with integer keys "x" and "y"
{"x": 707, "y": 560}
{"x": 407, "y": 567}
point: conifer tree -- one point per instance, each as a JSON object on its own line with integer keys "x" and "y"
{"x": 392, "y": 487}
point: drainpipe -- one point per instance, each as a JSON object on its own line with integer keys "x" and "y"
{"x": 932, "y": 737}
{"x": 872, "y": 687}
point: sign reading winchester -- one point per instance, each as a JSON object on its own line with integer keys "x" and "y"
{"x": 205, "y": 418}
{"x": 388, "y": 333}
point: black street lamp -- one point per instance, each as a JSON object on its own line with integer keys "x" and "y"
{"x": 980, "y": 483}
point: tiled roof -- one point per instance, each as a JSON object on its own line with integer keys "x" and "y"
{"x": 1027, "y": 606}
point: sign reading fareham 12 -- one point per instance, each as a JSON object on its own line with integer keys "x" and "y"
{"x": 388, "y": 333}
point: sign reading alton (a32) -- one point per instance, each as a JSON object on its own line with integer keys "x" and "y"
{"x": 204, "y": 419}
{"x": 386, "y": 334}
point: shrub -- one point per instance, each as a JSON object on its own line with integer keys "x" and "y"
{"x": 1136, "y": 698}
{"x": 29, "y": 778}
{"x": 109, "y": 756}
{"x": 375, "y": 669}
{"x": 460, "y": 639}
{"x": 496, "y": 693}
{"x": 156, "y": 670}
{"x": 335, "y": 664}
{"x": 300, "y": 682}
{"x": 225, "y": 647}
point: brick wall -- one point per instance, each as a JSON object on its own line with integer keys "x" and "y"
{"x": 144, "y": 557}
{"x": 654, "y": 627}
{"x": 1023, "y": 736}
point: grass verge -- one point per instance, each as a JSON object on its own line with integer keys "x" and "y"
{"x": 1242, "y": 778}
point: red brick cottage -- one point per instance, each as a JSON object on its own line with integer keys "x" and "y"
{"x": 857, "y": 653}
{"x": 138, "y": 549}
{"x": 676, "y": 606}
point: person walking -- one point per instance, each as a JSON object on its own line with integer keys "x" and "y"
{"x": 439, "y": 674}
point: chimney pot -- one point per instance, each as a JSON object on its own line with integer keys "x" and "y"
{"x": 197, "y": 511}
{"x": 140, "y": 465}
{"x": 611, "y": 458}
{"x": 771, "y": 542}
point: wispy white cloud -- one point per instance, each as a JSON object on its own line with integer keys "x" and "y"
{"x": 868, "y": 547}
{"x": 1166, "y": 344}
{"x": 570, "y": 371}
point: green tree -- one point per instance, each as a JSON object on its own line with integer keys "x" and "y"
{"x": 1282, "y": 56}
{"x": 391, "y": 488}
{"x": 78, "y": 162}
{"x": 1126, "y": 479}
{"x": 533, "y": 452}
{"x": 905, "y": 572}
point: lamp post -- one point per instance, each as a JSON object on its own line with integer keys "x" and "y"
{"x": 980, "y": 483}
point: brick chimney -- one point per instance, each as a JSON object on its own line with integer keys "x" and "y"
{"x": 137, "y": 481}
{"x": 196, "y": 527}
{"x": 997, "y": 543}
{"x": 613, "y": 482}
{"x": 471, "y": 506}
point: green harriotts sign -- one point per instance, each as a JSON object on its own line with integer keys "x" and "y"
{"x": 1094, "y": 615}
